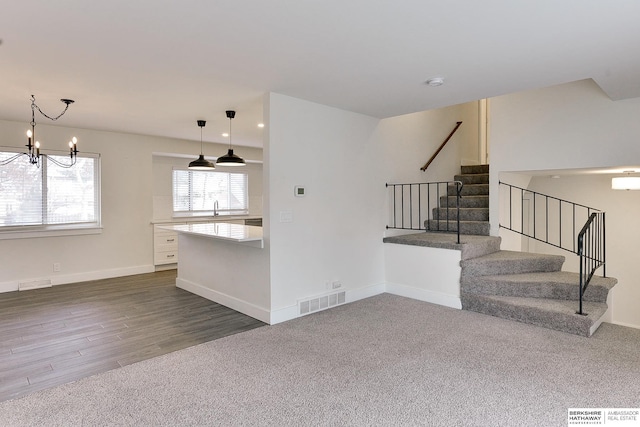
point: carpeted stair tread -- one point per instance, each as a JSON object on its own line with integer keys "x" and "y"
{"x": 469, "y": 246}
{"x": 478, "y": 228}
{"x": 549, "y": 313}
{"x": 469, "y": 190}
{"x": 466, "y": 214}
{"x": 481, "y": 201}
{"x": 554, "y": 285}
{"x": 511, "y": 262}
{"x": 475, "y": 178}
{"x": 470, "y": 169}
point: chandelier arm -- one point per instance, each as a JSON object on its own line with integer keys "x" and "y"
{"x": 57, "y": 162}
{"x": 11, "y": 159}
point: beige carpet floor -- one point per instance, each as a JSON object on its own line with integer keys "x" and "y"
{"x": 383, "y": 361}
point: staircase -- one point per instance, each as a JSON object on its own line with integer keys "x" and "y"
{"x": 531, "y": 288}
{"x": 474, "y": 204}
{"x": 521, "y": 286}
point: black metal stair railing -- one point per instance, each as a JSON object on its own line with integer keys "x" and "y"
{"x": 570, "y": 226}
{"x": 591, "y": 250}
{"x": 414, "y": 204}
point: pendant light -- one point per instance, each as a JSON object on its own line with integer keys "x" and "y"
{"x": 230, "y": 159}
{"x": 201, "y": 163}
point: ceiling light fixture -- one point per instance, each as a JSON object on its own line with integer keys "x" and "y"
{"x": 230, "y": 159}
{"x": 33, "y": 146}
{"x": 626, "y": 182}
{"x": 201, "y": 163}
{"x": 435, "y": 81}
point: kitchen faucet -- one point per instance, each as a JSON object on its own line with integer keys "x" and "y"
{"x": 215, "y": 208}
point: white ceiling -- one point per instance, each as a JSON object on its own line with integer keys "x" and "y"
{"x": 155, "y": 67}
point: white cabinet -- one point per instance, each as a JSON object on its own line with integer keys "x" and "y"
{"x": 165, "y": 246}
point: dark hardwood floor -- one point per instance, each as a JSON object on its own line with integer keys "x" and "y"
{"x": 57, "y": 335}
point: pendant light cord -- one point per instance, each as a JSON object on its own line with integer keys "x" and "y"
{"x": 201, "y": 140}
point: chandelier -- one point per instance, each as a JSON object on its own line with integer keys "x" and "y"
{"x": 33, "y": 145}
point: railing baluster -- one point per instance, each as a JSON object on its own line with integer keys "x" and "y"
{"x": 408, "y": 209}
{"x": 589, "y": 244}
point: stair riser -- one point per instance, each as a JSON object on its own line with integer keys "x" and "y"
{"x": 474, "y": 169}
{"x": 562, "y": 291}
{"x": 466, "y": 214}
{"x": 573, "y": 324}
{"x": 481, "y": 178}
{"x": 495, "y": 267}
{"x": 470, "y": 190}
{"x": 466, "y": 202}
{"x": 474, "y": 228}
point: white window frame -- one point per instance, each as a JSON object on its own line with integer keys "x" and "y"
{"x": 65, "y": 229}
{"x": 222, "y": 211}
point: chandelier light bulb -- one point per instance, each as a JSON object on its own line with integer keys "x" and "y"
{"x": 70, "y": 144}
{"x": 29, "y": 133}
{"x": 37, "y": 144}
{"x": 74, "y": 140}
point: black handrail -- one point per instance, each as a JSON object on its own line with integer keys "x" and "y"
{"x": 591, "y": 250}
{"x": 411, "y": 200}
{"x": 587, "y": 242}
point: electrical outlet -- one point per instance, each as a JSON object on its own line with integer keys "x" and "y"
{"x": 56, "y": 267}
{"x": 336, "y": 285}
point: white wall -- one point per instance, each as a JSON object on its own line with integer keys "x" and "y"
{"x": 575, "y": 126}
{"x": 125, "y": 245}
{"x": 425, "y": 274}
{"x": 336, "y": 229}
{"x": 569, "y": 126}
{"x": 409, "y": 141}
{"x": 344, "y": 160}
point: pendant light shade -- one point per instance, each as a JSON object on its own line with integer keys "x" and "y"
{"x": 201, "y": 163}
{"x": 230, "y": 159}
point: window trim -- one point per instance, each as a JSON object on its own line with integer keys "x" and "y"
{"x": 67, "y": 229}
{"x": 208, "y": 212}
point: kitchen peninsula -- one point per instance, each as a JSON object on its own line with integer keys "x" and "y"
{"x": 225, "y": 263}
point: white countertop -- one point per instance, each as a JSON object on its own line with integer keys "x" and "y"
{"x": 202, "y": 219}
{"x": 237, "y": 233}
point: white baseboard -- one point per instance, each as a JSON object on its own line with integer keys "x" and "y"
{"x": 628, "y": 325}
{"x": 80, "y": 277}
{"x": 227, "y": 300}
{"x": 439, "y": 298}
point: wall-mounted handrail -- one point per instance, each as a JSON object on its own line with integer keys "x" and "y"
{"x": 588, "y": 242}
{"x": 426, "y": 165}
{"x": 410, "y": 201}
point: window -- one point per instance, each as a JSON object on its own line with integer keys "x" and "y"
{"x": 49, "y": 197}
{"x": 196, "y": 193}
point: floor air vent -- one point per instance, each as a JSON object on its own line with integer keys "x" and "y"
{"x": 322, "y": 302}
{"x": 36, "y": 284}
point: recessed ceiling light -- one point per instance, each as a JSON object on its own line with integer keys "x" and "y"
{"x": 225, "y": 135}
{"x": 435, "y": 81}
{"x": 260, "y": 125}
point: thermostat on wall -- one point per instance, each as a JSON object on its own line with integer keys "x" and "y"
{"x": 299, "y": 191}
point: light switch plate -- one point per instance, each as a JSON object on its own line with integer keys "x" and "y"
{"x": 286, "y": 216}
